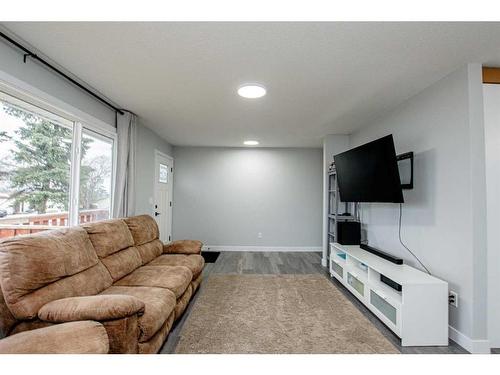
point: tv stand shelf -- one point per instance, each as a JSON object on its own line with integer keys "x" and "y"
{"x": 418, "y": 314}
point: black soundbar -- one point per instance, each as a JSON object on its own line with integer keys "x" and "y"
{"x": 381, "y": 254}
{"x": 391, "y": 283}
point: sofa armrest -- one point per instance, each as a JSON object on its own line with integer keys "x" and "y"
{"x": 68, "y": 338}
{"x": 100, "y": 308}
{"x": 183, "y": 247}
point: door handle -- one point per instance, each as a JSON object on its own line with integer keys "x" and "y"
{"x": 157, "y": 214}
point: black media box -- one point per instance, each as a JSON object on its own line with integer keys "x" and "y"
{"x": 349, "y": 232}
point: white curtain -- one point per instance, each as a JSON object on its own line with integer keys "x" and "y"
{"x": 124, "y": 194}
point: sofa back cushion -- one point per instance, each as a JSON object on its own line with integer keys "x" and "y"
{"x": 109, "y": 236}
{"x": 145, "y": 233}
{"x": 143, "y": 228}
{"x": 39, "y": 268}
{"x": 114, "y": 245}
{"x": 150, "y": 250}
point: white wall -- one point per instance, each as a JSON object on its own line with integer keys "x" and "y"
{"x": 492, "y": 139}
{"x": 226, "y": 196}
{"x": 443, "y": 216}
{"x": 147, "y": 142}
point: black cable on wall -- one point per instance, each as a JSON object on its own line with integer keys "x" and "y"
{"x": 402, "y": 243}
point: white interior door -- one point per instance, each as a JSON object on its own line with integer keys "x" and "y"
{"x": 164, "y": 167}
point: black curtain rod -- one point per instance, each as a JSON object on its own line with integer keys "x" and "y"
{"x": 28, "y": 53}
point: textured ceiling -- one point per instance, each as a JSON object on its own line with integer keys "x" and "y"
{"x": 322, "y": 78}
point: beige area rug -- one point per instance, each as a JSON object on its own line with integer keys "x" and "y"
{"x": 277, "y": 314}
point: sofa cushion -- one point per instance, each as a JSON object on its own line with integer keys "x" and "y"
{"x": 122, "y": 262}
{"x": 70, "y": 338}
{"x": 155, "y": 343}
{"x": 183, "y": 247}
{"x": 86, "y": 283}
{"x": 99, "y": 308}
{"x": 31, "y": 262}
{"x": 176, "y": 279}
{"x": 150, "y": 250}
{"x": 143, "y": 228}
{"x": 114, "y": 245}
{"x": 195, "y": 283}
{"x": 159, "y": 304}
{"x": 109, "y": 236}
{"x": 194, "y": 262}
{"x": 29, "y": 325}
{"x": 39, "y": 268}
{"x": 183, "y": 301}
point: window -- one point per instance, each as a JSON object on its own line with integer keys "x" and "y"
{"x": 95, "y": 177}
{"x": 163, "y": 174}
{"x": 53, "y": 172}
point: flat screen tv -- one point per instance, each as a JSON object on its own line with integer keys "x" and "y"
{"x": 369, "y": 173}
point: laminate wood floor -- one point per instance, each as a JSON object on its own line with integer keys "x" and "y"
{"x": 238, "y": 262}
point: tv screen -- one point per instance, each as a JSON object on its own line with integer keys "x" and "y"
{"x": 369, "y": 173}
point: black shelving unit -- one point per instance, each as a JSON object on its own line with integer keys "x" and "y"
{"x": 336, "y": 208}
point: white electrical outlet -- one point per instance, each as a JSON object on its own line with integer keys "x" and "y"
{"x": 259, "y": 235}
{"x": 453, "y": 298}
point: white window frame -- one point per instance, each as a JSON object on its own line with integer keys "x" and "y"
{"x": 20, "y": 93}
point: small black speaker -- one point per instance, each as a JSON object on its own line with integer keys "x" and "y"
{"x": 349, "y": 232}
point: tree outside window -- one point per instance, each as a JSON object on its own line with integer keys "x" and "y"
{"x": 35, "y": 167}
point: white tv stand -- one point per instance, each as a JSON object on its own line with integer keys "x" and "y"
{"x": 418, "y": 314}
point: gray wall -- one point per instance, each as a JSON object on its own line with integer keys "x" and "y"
{"x": 226, "y": 196}
{"x": 492, "y": 138}
{"x": 443, "y": 216}
{"x": 147, "y": 142}
{"x": 50, "y": 83}
{"x": 11, "y": 62}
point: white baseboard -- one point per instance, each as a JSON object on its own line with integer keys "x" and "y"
{"x": 472, "y": 346}
{"x": 263, "y": 248}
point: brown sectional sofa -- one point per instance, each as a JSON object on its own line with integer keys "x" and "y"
{"x": 116, "y": 272}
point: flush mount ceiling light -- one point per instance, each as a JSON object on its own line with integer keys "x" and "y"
{"x": 251, "y": 143}
{"x": 252, "y": 91}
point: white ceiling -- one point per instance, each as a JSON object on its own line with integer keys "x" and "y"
{"x": 322, "y": 78}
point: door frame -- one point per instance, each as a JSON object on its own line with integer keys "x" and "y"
{"x": 170, "y": 187}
